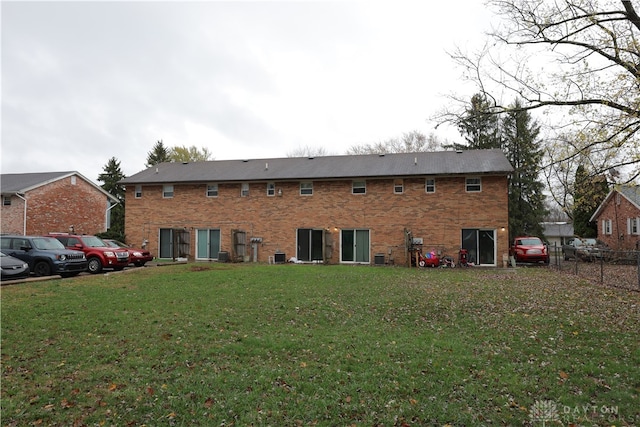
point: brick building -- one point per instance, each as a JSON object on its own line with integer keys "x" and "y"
{"x": 618, "y": 218}
{"x": 333, "y": 209}
{"x": 40, "y": 203}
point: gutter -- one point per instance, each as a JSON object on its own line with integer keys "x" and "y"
{"x": 106, "y": 214}
{"x": 24, "y": 219}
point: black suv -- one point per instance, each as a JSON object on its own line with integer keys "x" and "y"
{"x": 45, "y": 255}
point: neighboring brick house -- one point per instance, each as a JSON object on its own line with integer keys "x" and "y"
{"x": 333, "y": 209}
{"x": 618, "y": 218}
{"x": 40, "y": 203}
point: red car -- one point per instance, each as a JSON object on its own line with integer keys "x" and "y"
{"x": 529, "y": 249}
{"x": 138, "y": 257}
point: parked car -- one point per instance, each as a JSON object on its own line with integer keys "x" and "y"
{"x": 530, "y": 249}
{"x": 99, "y": 254}
{"x": 45, "y": 255}
{"x": 585, "y": 249}
{"x": 12, "y": 268}
{"x": 137, "y": 257}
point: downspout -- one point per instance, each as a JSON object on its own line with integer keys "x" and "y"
{"x": 24, "y": 219}
{"x": 106, "y": 215}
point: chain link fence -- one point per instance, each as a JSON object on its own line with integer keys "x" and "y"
{"x": 619, "y": 269}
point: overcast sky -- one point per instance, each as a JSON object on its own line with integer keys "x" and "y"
{"x": 86, "y": 81}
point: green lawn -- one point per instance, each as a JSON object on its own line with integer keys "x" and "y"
{"x": 286, "y": 345}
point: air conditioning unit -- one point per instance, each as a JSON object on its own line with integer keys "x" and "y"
{"x": 223, "y": 256}
{"x": 279, "y": 258}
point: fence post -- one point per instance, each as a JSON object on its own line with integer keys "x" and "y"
{"x": 638, "y": 263}
{"x": 601, "y": 268}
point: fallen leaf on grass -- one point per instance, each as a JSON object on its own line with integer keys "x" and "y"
{"x": 66, "y": 404}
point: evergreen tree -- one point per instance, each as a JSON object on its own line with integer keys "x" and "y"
{"x": 158, "y": 154}
{"x": 521, "y": 146}
{"x": 110, "y": 177}
{"x": 479, "y": 126}
{"x": 589, "y": 192}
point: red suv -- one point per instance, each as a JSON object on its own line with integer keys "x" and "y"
{"x": 99, "y": 254}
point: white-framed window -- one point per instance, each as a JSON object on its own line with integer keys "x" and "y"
{"x": 633, "y": 225}
{"x": 473, "y": 184}
{"x": 398, "y": 186}
{"x": 430, "y": 185}
{"x": 359, "y": 187}
{"x": 167, "y": 191}
{"x": 212, "y": 190}
{"x": 74, "y": 180}
{"x": 306, "y": 188}
{"x": 271, "y": 188}
{"x": 606, "y": 226}
{"x": 137, "y": 192}
{"x": 6, "y": 200}
{"x": 244, "y": 189}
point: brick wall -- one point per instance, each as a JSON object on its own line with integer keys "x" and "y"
{"x": 437, "y": 218}
{"x": 55, "y": 207}
{"x": 618, "y": 209}
{"x": 12, "y": 216}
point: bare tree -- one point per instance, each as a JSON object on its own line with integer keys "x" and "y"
{"x": 189, "y": 154}
{"x": 579, "y": 60}
{"x": 409, "y": 142}
{"x": 308, "y": 151}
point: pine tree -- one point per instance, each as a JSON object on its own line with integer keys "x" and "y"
{"x": 159, "y": 154}
{"x": 479, "y": 126}
{"x": 521, "y": 146}
{"x": 110, "y": 178}
{"x": 588, "y": 193}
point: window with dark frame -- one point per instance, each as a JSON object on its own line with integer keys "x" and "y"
{"x": 6, "y": 200}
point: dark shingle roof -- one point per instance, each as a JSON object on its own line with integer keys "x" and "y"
{"x": 328, "y": 167}
{"x": 21, "y": 182}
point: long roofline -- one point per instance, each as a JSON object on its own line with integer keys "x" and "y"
{"x": 479, "y": 162}
{"x": 48, "y": 178}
